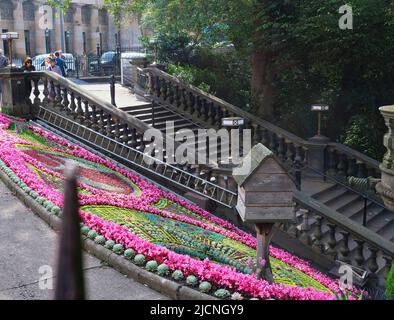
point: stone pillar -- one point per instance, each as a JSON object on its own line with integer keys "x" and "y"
{"x": 94, "y": 28}
{"x": 386, "y": 187}
{"x": 316, "y": 153}
{"x": 77, "y": 30}
{"x": 14, "y": 92}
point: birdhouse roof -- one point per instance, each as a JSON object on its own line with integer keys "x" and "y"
{"x": 257, "y": 155}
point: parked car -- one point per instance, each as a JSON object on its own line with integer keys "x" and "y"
{"x": 39, "y": 64}
{"x": 107, "y": 63}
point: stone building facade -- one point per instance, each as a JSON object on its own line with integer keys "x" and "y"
{"x": 86, "y": 24}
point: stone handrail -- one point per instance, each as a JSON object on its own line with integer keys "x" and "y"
{"x": 340, "y": 238}
{"x": 68, "y": 99}
{"x": 338, "y": 160}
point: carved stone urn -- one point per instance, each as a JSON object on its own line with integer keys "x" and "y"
{"x": 386, "y": 187}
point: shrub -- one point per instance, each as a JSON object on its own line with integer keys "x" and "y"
{"x": 389, "y": 292}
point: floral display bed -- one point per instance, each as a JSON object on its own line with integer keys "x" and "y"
{"x": 153, "y": 228}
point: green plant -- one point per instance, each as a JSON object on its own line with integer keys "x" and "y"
{"x": 177, "y": 275}
{"x": 92, "y": 234}
{"x": 139, "y": 259}
{"x": 389, "y": 292}
{"x": 205, "y": 287}
{"x": 129, "y": 253}
{"x": 151, "y": 265}
{"x": 99, "y": 240}
{"x": 163, "y": 270}
{"x": 109, "y": 244}
{"x": 118, "y": 249}
{"x": 222, "y": 293}
{"x": 191, "y": 280}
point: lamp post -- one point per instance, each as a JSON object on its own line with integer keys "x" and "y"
{"x": 10, "y": 36}
{"x": 154, "y": 42}
{"x": 68, "y": 34}
{"x": 319, "y": 108}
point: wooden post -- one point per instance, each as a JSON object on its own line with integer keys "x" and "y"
{"x": 70, "y": 283}
{"x": 264, "y": 232}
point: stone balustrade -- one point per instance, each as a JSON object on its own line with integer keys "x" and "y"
{"x": 339, "y": 160}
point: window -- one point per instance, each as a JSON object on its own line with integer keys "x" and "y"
{"x": 5, "y": 44}
{"x": 27, "y": 42}
{"x": 84, "y": 42}
{"x": 48, "y": 40}
{"x": 6, "y": 10}
{"x": 28, "y": 11}
{"x": 86, "y": 14}
{"x": 67, "y": 40}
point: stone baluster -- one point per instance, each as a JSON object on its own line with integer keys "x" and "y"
{"x": 79, "y": 110}
{"x": 290, "y": 153}
{"x": 170, "y": 93}
{"x": 101, "y": 122}
{"x": 264, "y": 136}
{"x": 125, "y": 135}
{"x": 218, "y": 116}
{"x": 281, "y": 149}
{"x": 133, "y": 138}
{"x": 109, "y": 126}
{"x": 351, "y": 169}
{"x": 36, "y": 91}
{"x": 305, "y": 227}
{"x": 341, "y": 167}
{"x": 87, "y": 121}
{"x": 177, "y": 97}
{"x": 361, "y": 172}
{"x": 332, "y": 241}
{"x": 158, "y": 87}
{"x": 256, "y": 133}
{"x": 372, "y": 261}
{"x": 183, "y": 100}
{"x": 332, "y": 162}
{"x": 191, "y": 103}
{"x": 52, "y": 92}
{"x": 164, "y": 91}
{"x": 65, "y": 101}
{"x": 45, "y": 92}
{"x": 318, "y": 235}
{"x": 73, "y": 106}
{"x": 344, "y": 249}
{"x": 272, "y": 143}
{"x": 117, "y": 134}
{"x": 94, "y": 120}
{"x": 359, "y": 255}
{"x": 209, "y": 112}
{"x": 58, "y": 97}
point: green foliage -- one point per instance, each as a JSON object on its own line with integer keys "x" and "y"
{"x": 222, "y": 293}
{"x": 364, "y": 134}
{"x": 205, "y": 287}
{"x": 177, "y": 275}
{"x": 139, "y": 259}
{"x": 163, "y": 270}
{"x": 389, "y": 292}
{"x": 129, "y": 253}
{"x": 118, "y": 248}
{"x": 151, "y": 265}
{"x": 191, "y": 280}
{"x": 109, "y": 244}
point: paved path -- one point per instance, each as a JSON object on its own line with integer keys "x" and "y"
{"x": 123, "y": 95}
{"x": 27, "y": 243}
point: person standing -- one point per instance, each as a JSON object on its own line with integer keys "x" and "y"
{"x": 3, "y": 63}
{"x": 28, "y": 67}
{"x": 61, "y": 63}
{"x": 53, "y": 67}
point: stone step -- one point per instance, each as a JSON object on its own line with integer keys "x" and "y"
{"x": 148, "y": 115}
{"x": 387, "y": 231}
{"x": 136, "y": 107}
{"x": 380, "y": 220}
{"x": 331, "y": 194}
{"x": 342, "y": 201}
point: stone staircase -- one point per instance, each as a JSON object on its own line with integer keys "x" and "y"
{"x": 351, "y": 205}
{"x": 159, "y": 115}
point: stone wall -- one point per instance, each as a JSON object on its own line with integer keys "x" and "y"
{"x": 85, "y": 17}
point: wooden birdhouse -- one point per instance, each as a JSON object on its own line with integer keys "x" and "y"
{"x": 265, "y": 196}
{"x": 265, "y": 190}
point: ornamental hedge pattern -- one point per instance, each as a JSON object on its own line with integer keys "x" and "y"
{"x": 131, "y": 216}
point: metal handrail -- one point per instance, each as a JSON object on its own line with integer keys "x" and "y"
{"x": 354, "y": 228}
{"x": 144, "y": 155}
